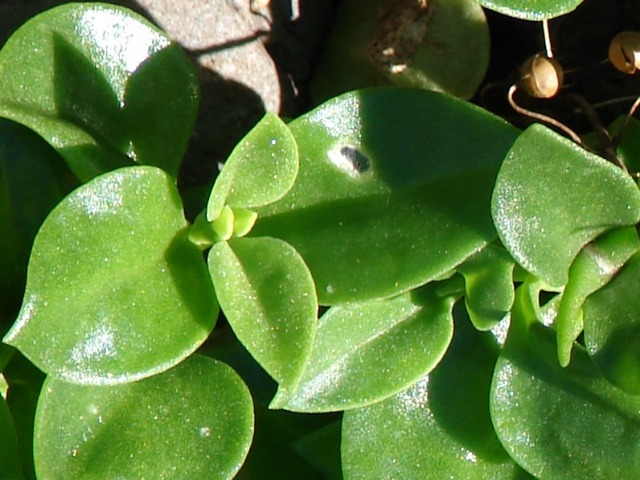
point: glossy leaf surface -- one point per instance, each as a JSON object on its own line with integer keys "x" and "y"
{"x": 489, "y": 286}
{"x": 393, "y": 190}
{"x": 612, "y": 328}
{"x": 102, "y": 85}
{"x": 115, "y": 291}
{"x": 531, "y": 9}
{"x": 260, "y": 170}
{"x": 266, "y": 292}
{"x": 193, "y": 421}
{"x": 365, "y": 352}
{"x": 560, "y": 423}
{"x": 552, "y": 197}
{"x": 596, "y": 264}
{"x": 437, "y": 428}
{"x": 32, "y": 182}
{"x": 442, "y": 47}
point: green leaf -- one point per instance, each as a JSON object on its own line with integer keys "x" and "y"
{"x": 393, "y": 190}
{"x": 24, "y": 382}
{"x": 596, "y": 264}
{"x": 266, "y": 292}
{"x": 193, "y": 421}
{"x": 531, "y": 9}
{"x": 437, "y": 428}
{"x": 321, "y": 448}
{"x": 365, "y": 352}
{"x": 102, "y": 85}
{"x": 552, "y": 197}
{"x": 273, "y": 452}
{"x": 10, "y": 468}
{"x": 629, "y": 148}
{"x": 33, "y": 180}
{"x": 488, "y": 277}
{"x": 612, "y": 328}
{"x": 260, "y": 170}
{"x": 115, "y": 291}
{"x": 560, "y": 423}
{"x": 443, "y": 47}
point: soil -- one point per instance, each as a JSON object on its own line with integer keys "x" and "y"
{"x": 257, "y": 55}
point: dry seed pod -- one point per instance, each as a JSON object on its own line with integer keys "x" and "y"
{"x": 624, "y": 52}
{"x": 542, "y": 76}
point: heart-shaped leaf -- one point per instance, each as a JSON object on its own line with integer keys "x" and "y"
{"x": 365, "y": 352}
{"x": 531, "y": 9}
{"x": 260, "y": 170}
{"x": 266, "y": 292}
{"x": 115, "y": 291}
{"x": 612, "y": 328}
{"x": 193, "y": 421}
{"x": 552, "y": 197}
{"x": 437, "y": 428}
{"x": 102, "y": 85}
{"x": 595, "y": 265}
{"x": 488, "y": 277}
{"x": 560, "y": 423}
{"x": 395, "y": 183}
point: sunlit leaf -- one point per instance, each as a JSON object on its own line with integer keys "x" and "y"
{"x": 193, "y": 421}
{"x": 365, "y": 352}
{"x": 260, "y": 170}
{"x": 552, "y": 197}
{"x": 437, "y": 428}
{"x": 267, "y": 294}
{"x": 531, "y": 9}
{"x": 393, "y": 190}
{"x": 102, "y": 85}
{"x": 115, "y": 291}
{"x": 560, "y": 423}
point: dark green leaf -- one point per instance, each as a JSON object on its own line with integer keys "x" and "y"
{"x": 488, "y": 279}
{"x": 612, "y": 328}
{"x": 10, "y": 468}
{"x": 442, "y": 47}
{"x": 594, "y": 266}
{"x": 33, "y": 180}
